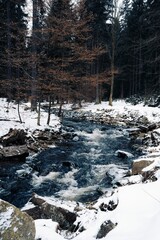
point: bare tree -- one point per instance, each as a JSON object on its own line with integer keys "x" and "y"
{"x": 114, "y": 21}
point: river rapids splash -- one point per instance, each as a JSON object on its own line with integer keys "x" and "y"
{"x": 80, "y": 168}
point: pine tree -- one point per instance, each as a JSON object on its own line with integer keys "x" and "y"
{"x": 59, "y": 31}
{"x": 115, "y": 28}
{"x": 71, "y": 53}
{"x": 13, "y": 44}
{"x": 132, "y": 38}
{"x": 36, "y": 49}
{"x": 3, "y": 42}
{"x": 123, "y": 57}
{"x": 152, "y": 46}
{"x": 101, "y": 11}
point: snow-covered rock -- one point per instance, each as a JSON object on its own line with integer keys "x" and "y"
{"x": 15, "y": 224}
{"x": 105, "y": 228}
{"x": 43, "y": 209}
{"x": 123, "y": 154}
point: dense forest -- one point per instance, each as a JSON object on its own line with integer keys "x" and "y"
{"x": 91, "y": 50}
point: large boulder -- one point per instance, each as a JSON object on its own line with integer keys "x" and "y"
{"x": 14, "y": 152}
{"x": 139, "y": 165}
{"x": 14, "y": 137}
{"x": 14, "y": 224}
{"x": 46, "y": 210}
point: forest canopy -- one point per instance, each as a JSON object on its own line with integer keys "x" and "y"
{"x": 92, "y": 50}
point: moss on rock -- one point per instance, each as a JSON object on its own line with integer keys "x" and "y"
{"x": 14, "y": 224}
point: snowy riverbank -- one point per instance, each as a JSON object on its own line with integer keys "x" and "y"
{"x": 9, "y": 118}
{"x": 136, "y": 216}
{"x": 120, "y": 111}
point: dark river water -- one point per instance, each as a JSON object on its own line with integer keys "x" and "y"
{"x": 80, "y": 168}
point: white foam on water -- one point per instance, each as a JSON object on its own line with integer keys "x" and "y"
{"x": 99, "y": 172}
{"x": 92, "y": 155}
{"x": 68, "y": 178}
{"x": 95, "y": 138}
{"x": 96, "y": 135}
{"x": 38, "y": 180}
{"x": 73, "y": 193}
{"x": 115, "y": 172}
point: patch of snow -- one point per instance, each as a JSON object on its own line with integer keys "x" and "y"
{"x": 135, "y": 179}
{"x": 46, "y": 229}
{"x": 9, "y": 118}
{"x": 6, "y": 219}
{"x": 156, "y": 163}
{"x": 15, "y": 229}
{"x": 27, "y": 206}
{"x": 157, "y": 174}
{"x": 157, "y": 131}
{"x": 127, "y": 154}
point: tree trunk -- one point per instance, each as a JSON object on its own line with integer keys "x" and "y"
{"x": 114, "y": 15}
{"x": 9, "y": 68}
{"x": 97, "y": 85}
{"x": 140, "y": 64}
{"x": 159, "y": 82}
{"x": 34, "y": 56}
{"x": 19, "y": 115}
{"x": 39, "y": 113}
{"x": 79, "y": 103}
{"x": 49, "y": 111}
{"x": 112, "y": 85}
{"x": 122, "y": 90}
{"x": 112, "y": 69}
{"x": 60, "y": 109}
{"x": 97, "y": 94}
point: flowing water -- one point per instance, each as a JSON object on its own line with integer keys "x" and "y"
{"x": 79, "y": 168}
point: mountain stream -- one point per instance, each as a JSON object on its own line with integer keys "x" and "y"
{"x": 80, "y": 168}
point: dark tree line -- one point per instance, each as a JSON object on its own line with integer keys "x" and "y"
{"x": 90, "y": 50}
{"x": 12, "y": 46}
{"x": 140, "y": 48}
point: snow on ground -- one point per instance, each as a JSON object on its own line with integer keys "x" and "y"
{"x": 120, "y": 107}
{"x": 46, "y": 228}
{"x": 138, "y": 212}
{"x": 137, "y": 216}
{"x": 9, "y": 114}
{"x": 9, "y": 118}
